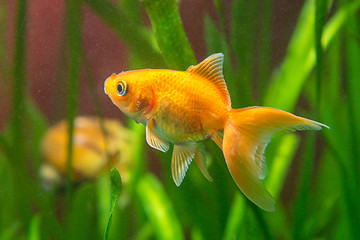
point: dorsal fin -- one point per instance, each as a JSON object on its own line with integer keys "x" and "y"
{"x": 211, "y": 69}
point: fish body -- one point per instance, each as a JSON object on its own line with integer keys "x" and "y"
{"x": 187, "y": 107}
{"x": 183, "y": 106}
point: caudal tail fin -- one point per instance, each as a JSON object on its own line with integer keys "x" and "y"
{"x": 246, "y": 135}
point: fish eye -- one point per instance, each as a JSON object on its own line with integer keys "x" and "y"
{"x": 122, "y": 89}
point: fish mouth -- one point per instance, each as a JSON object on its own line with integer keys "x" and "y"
{"x": 105, "y": 88}
{"x": 108, "y": 82}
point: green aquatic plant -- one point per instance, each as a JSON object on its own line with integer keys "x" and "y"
{"x": 115, "y": 193}
{"x": 313, "y": 177}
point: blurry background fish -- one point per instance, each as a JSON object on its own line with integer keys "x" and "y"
{"x": 98, "y": 146}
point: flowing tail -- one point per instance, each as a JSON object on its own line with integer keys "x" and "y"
{"x": 246, "y": 135}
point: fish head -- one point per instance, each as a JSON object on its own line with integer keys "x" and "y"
{"x": 132, "y": 93}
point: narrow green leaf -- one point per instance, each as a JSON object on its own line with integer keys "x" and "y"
{"x": 220, "y": 10}
{"x": 353, "y": 87}
{"x": 103, "y": 199}
{"x": 17, "y": 142}
{"x": 132, "y": 10}
{"x": 114, "y": 195}
{"x": 10, "y": 221}
{"x": 320, "y": 15}
{"x": 115, "y": 187}
{"x": 260, "y": 220}
{"x": 137, "y": 156}
{"x": 4, "y": 146}
{"x": 169, "y": 33}
{"x": 243, "y": 30}
{"x": 236, "y": 217}
{"x": 35, "y": 129}
{"x": 81, "y": 214}
{"x": 279, "y": 223}
{"x": 93, "y": 90}
{"x": 302, "y": 201}
{"x": 214, "y": 41}
{"x": 10, "y": 233}
{"x": 325, "y": 200}
{"x": 146, "y": 232}
{"x": 158, "y": 209}
{"x": 331, "y": 94}
{"x": 353, "y": 83}
{"x": 280, "y": 163}
{"x": 19, "y": 85}
{"x": 265, "y": 46}
{"x": 34, "y": 231}
{"x": 196, "y": 234}
{"x": 73, "y": 27}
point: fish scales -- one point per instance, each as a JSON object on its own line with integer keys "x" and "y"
{"x": 182, "y": 106}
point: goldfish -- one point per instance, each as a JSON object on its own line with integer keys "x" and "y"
{"x": 187, "y": 107}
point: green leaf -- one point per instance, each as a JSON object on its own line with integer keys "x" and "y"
{"x": 19, "y": 86}
{"x": 74, "y": 44}
{"x": 353, "y": 76}
{"x": 5, "y": 146}
{"x": 236, "y": 217}
{"x": 243, "y": 31}
{"x": 115, "y": 187}
{"x": 114, "y": 195}
{"x": 36, "y": 126}
{"x": 137, "y": 155}
{"x": 326, "y": 198}
{"x": 280, "y": 163}
{"x": 146, "y": 232}
{"x": 320, "y": 15}
{"x": 302, "y": 201}
{"x": 158, "y": 209}
{"x": 17, "y": 141}
{"x": 132, "y": 10}
{"x": 34, "y": 231}
{"x": 169, "y": 33}
{"x": 81, "y": 216}
{"x": 265, "y": 46}
{"x": 352, "y": 80}
{"x": 10, "y": 233}
{"x": 10, "y": 219}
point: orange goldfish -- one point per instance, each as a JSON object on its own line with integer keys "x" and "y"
{"x": 187, "y": 107}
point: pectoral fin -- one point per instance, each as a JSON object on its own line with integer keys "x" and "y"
{"x": 154, "y": 139}
{"x": 181, "y": 159}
